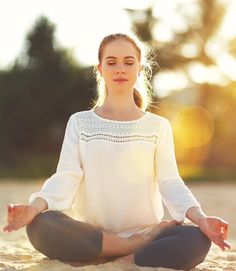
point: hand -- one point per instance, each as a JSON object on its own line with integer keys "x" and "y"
{"x": 19, "y": 215}
{"x": 216, "y": 229}
{"x": 148, "y": 235}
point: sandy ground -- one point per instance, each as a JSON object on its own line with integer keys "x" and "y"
{"x": 16, "y": 253}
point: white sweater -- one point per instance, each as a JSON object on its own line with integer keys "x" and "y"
{"x": 115, "y": 174}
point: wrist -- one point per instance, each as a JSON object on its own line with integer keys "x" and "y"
{"x": 195, "y": 214}
{"x": 200, "y": 219}
{"x": 38, "y": 205}
{"x": 34, "y": 210}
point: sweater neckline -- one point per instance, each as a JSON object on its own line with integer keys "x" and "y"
{"x": 119, "y": 121}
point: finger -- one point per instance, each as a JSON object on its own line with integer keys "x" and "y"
{"x": 11, "y": 227}
{"x": 18, "y": 226}
{"x": 222, "y": 233}
{"x": 5, "y": 228}
{"x": 10, "y": 207}
{"x": 218, "y": 243}
{"x": 8, "y": 228}
{"x": 224, "y": 230}
{"x": 10, "y": 213}
{"x": 223, "y": 222}
{"x": 223, "y": 225}
{"x": 221, "y": 243}
{"x": 227, "y": 244}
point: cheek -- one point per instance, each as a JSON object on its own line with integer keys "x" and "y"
{"x": 108, "y": 75}
{"x": 133, "y": 73}
{"x": 109, "y": 70}
{"x": 132, "y": 69}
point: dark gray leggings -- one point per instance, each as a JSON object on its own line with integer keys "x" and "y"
{"x": 58, "y": 236}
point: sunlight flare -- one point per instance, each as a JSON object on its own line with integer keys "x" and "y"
{"x": 193, "y": 126}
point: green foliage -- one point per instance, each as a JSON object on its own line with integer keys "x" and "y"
{"x": 29, "y": 166}
{"x": 38, "y": 95}
{"x": 209, "y": 174}
{"x": 45, "y": 86}
{"x": 220, "y": 101}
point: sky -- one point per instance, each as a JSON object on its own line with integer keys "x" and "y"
{"x": 81, "y": 24}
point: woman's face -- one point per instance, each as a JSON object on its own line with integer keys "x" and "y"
{"x": 119, "y": 65}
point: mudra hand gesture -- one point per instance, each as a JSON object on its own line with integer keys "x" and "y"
{"x": 18, "y": 216}
{"x": 216, "y": 229}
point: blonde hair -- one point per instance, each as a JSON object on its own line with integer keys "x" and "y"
{"x": 143, "y": 88}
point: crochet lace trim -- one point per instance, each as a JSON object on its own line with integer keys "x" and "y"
{"x": 94, "y": 128}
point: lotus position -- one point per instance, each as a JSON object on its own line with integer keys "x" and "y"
{"x": 116, "y": 167}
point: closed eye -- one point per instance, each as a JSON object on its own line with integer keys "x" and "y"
{"x": 112, "y": 63}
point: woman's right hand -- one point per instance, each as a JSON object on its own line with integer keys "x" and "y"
{"x": 19, "y": 215}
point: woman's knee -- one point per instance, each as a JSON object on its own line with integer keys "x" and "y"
{"x": 198, "y": 239}
{"x": 41, "y": 227}
{"x": 197, "y": 246}
{"x": 59, "y": 237}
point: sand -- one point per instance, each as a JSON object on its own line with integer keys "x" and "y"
{"x": 16, "y": 253}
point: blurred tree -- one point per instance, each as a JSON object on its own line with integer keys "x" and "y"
{"x": 39, "y": 93}
{"x": 190, "y": 46}
{"x": 45, "y": 86}
{"x": 198, "y": 32}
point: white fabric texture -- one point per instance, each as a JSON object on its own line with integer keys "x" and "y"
{"x": 115, "y": 174}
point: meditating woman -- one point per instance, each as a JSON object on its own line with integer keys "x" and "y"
{"x": 117, "y": 165}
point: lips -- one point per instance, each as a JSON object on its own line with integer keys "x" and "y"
{"x": 120, "y": 80}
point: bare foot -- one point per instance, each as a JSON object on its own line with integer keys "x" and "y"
{"x": 150, "y": 234}
{"x": 160, "y": 227}
{"x": 146, "y": 237}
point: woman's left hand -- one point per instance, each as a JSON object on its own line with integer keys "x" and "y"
{"x": 216, "y": 229}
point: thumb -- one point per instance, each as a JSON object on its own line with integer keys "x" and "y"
{"x": 10, "y": 207}
{"x": 10, "y": 211}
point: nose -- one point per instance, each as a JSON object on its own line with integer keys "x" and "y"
{"x": 120, "y": 69}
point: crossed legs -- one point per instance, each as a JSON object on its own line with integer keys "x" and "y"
{"x": 58, "y": 236}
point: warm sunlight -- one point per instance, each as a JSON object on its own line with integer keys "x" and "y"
{"x": 207, "y": 74}
{"x": 227, "y": 65}
{"x": 193, "y": 126}
{"x": 127, "y": 164}
{"x": 166, "y": 82}
{"x": 81, "y": 27}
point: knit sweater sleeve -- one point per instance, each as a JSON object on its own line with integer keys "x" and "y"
{"x": 59, "y": 190}
{"x": 175, "y": 194}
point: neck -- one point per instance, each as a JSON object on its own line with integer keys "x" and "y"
{"x": 120, "y": 102}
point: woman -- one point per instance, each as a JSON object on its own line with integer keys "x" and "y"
{"x": 116, "y": 165}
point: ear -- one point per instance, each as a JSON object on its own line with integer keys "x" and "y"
{"x": 99, "y": 68}
{"x": 140, "y": 69}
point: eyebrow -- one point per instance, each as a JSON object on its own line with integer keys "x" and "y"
{"x": 113, "y": 57}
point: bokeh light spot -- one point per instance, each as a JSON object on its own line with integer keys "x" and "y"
{"x": 193, "y": 126}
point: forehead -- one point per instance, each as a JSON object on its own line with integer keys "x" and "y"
{"x": 119, "y": 48}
